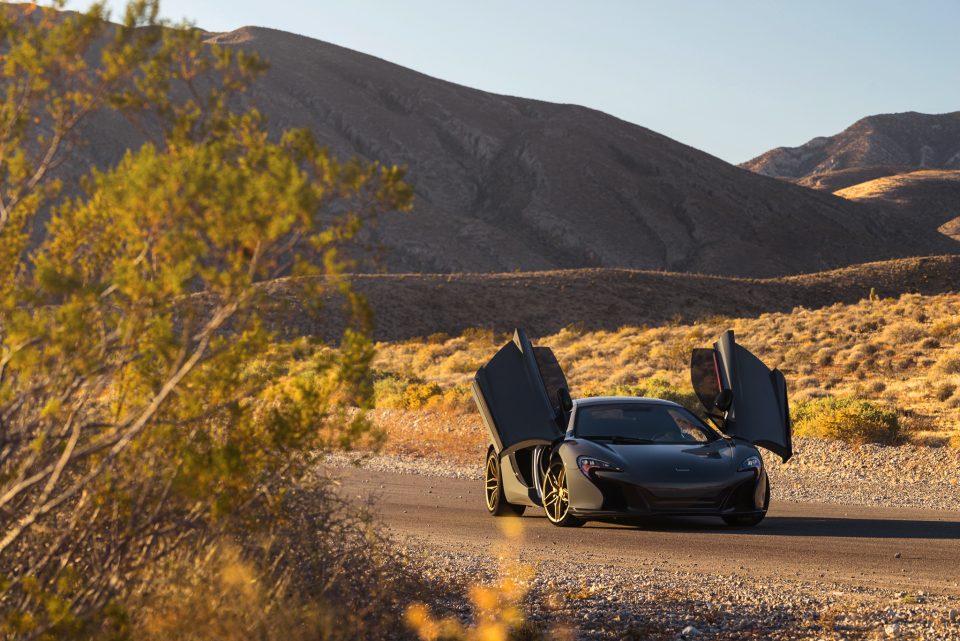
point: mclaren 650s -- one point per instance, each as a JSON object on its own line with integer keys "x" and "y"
{"x": 619, "y": 458}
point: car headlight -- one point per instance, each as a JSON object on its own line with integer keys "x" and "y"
{"x": 750, "y": 463}
{"x": 588, "y": 464}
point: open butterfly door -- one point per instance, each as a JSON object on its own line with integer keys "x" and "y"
{"x": 753, "y": 399}
{"x": 516, "y": 394}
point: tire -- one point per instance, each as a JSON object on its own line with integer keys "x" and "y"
{"x": 749, "y": 520}
{"x": 556, "y": 500}
{"x": 493, "y": 489}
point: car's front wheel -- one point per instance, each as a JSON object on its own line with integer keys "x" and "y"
{"x": 493, "y": 489}
{"x": 556, "y": 496}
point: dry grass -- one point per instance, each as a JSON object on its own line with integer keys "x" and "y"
{"x": 325, "y": 573}
{"x": 901, "y": 353}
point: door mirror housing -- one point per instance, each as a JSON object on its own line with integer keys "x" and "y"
{"x": 724, "y": 400}
{"x": 564, "y": 400}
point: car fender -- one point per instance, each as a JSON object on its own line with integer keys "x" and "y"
{"x": 583, "y": 494}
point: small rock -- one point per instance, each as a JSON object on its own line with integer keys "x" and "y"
{"x": 892, "y": 630}
{"x": 953, "y": 615}
{"x": 897, "y": 555}
{"x": 689, "y": 632}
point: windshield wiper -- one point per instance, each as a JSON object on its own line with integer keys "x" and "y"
{"x": 622, "y": 440}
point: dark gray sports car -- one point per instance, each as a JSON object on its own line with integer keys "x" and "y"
{"x": 615, "y": 458}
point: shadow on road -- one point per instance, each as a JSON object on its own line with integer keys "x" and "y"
{"x": 807, "y": 526}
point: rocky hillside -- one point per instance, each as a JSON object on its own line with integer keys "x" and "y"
{"x": 409, "y": 305}
{"x": 873, "y": 147}
{"x": 930, "y": 197}
{"x": 506, "y": 184}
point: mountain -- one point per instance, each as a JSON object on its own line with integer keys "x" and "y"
{"x": 872, "y": 147}
{"x": 929, "y": 197}
{"x": 507, "y": 184}
{"x": 907, "y": 164}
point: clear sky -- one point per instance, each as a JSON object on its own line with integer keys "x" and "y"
{"x": 733, "y": 77}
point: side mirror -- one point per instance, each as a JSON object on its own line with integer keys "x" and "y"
{"x": 724, "y": 400}
{"x": 563, "y": 398}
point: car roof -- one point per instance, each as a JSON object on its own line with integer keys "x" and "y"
{"x": 606, "y": 400}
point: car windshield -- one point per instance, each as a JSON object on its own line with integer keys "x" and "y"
{"x": 641, "y": 423}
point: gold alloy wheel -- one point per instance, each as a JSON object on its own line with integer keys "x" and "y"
{"x": 556, "y": 500}
{"x": 492, "y": 485}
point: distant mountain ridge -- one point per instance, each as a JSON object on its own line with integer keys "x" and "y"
{"x": 512, "y": 184}
{"x": 888, "y": 143}
{"x": 907, "y": 164}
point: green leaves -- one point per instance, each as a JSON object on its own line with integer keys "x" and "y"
{"x": 141, "y": 399}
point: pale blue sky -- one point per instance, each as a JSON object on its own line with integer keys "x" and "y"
{"x": 733, "y": 78}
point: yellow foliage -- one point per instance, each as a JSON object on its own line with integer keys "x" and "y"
{"x": 902, "y": 352}
{"x": 497, "y": 607}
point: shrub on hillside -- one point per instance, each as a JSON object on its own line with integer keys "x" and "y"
{"x": 393, "y": 392}
{"x": 949, "y": 362}
{"x": 848, "y": 419}
{"x": 651, "y": 388}
{"x": 945, "y": 328}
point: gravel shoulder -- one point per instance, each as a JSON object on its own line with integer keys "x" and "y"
{"x": 603, "y": 601}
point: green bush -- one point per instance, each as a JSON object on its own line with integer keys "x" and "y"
{"x": 393, "y": 392}
{"x": 848, "y": 419}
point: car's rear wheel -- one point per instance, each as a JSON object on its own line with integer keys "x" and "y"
{"x": 556, "y": 496}
{"x": 493, "y": 489}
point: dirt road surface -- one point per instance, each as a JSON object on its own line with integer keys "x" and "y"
{"x": 892, "y": 548}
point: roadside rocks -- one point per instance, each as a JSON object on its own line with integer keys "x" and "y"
{"x": 605, "y": 602}
{"x": 830, "y": 471}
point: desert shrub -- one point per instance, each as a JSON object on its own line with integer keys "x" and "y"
{"x": 954, "y": 400}
{"x": 848, "y": 419}
{"x": 945, "y": 329}
{"x": 388, "y": 391}
{"x": 460, "y": 362}
{"x": 322, "y": 573}
{"x": 944, "y": 391}
{"x": 418, "y": 395}
{"x": 949, "y": 362}
{"x": 651, "y": 388}
{"x": 480, "y": 336}
{"x": 394, "y": 392}
{"x": 458, "y": 398}
{"x": 902, "y": 333}
{"x": 145, "y": 405}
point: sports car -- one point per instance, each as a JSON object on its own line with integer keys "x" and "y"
{"x": 619, "y": 457}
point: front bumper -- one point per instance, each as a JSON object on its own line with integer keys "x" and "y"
{"x": 621, "y": 498}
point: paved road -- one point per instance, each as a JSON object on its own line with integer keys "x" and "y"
{"x": 846, "y": 544}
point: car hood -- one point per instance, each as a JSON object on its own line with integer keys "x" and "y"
{"x": 668, "y": 465}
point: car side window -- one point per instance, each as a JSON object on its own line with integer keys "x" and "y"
{"x": 689, "y": 430}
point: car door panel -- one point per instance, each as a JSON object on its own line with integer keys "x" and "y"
{"x": 513, "y": 399}
{"x": 759, "y": 412}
